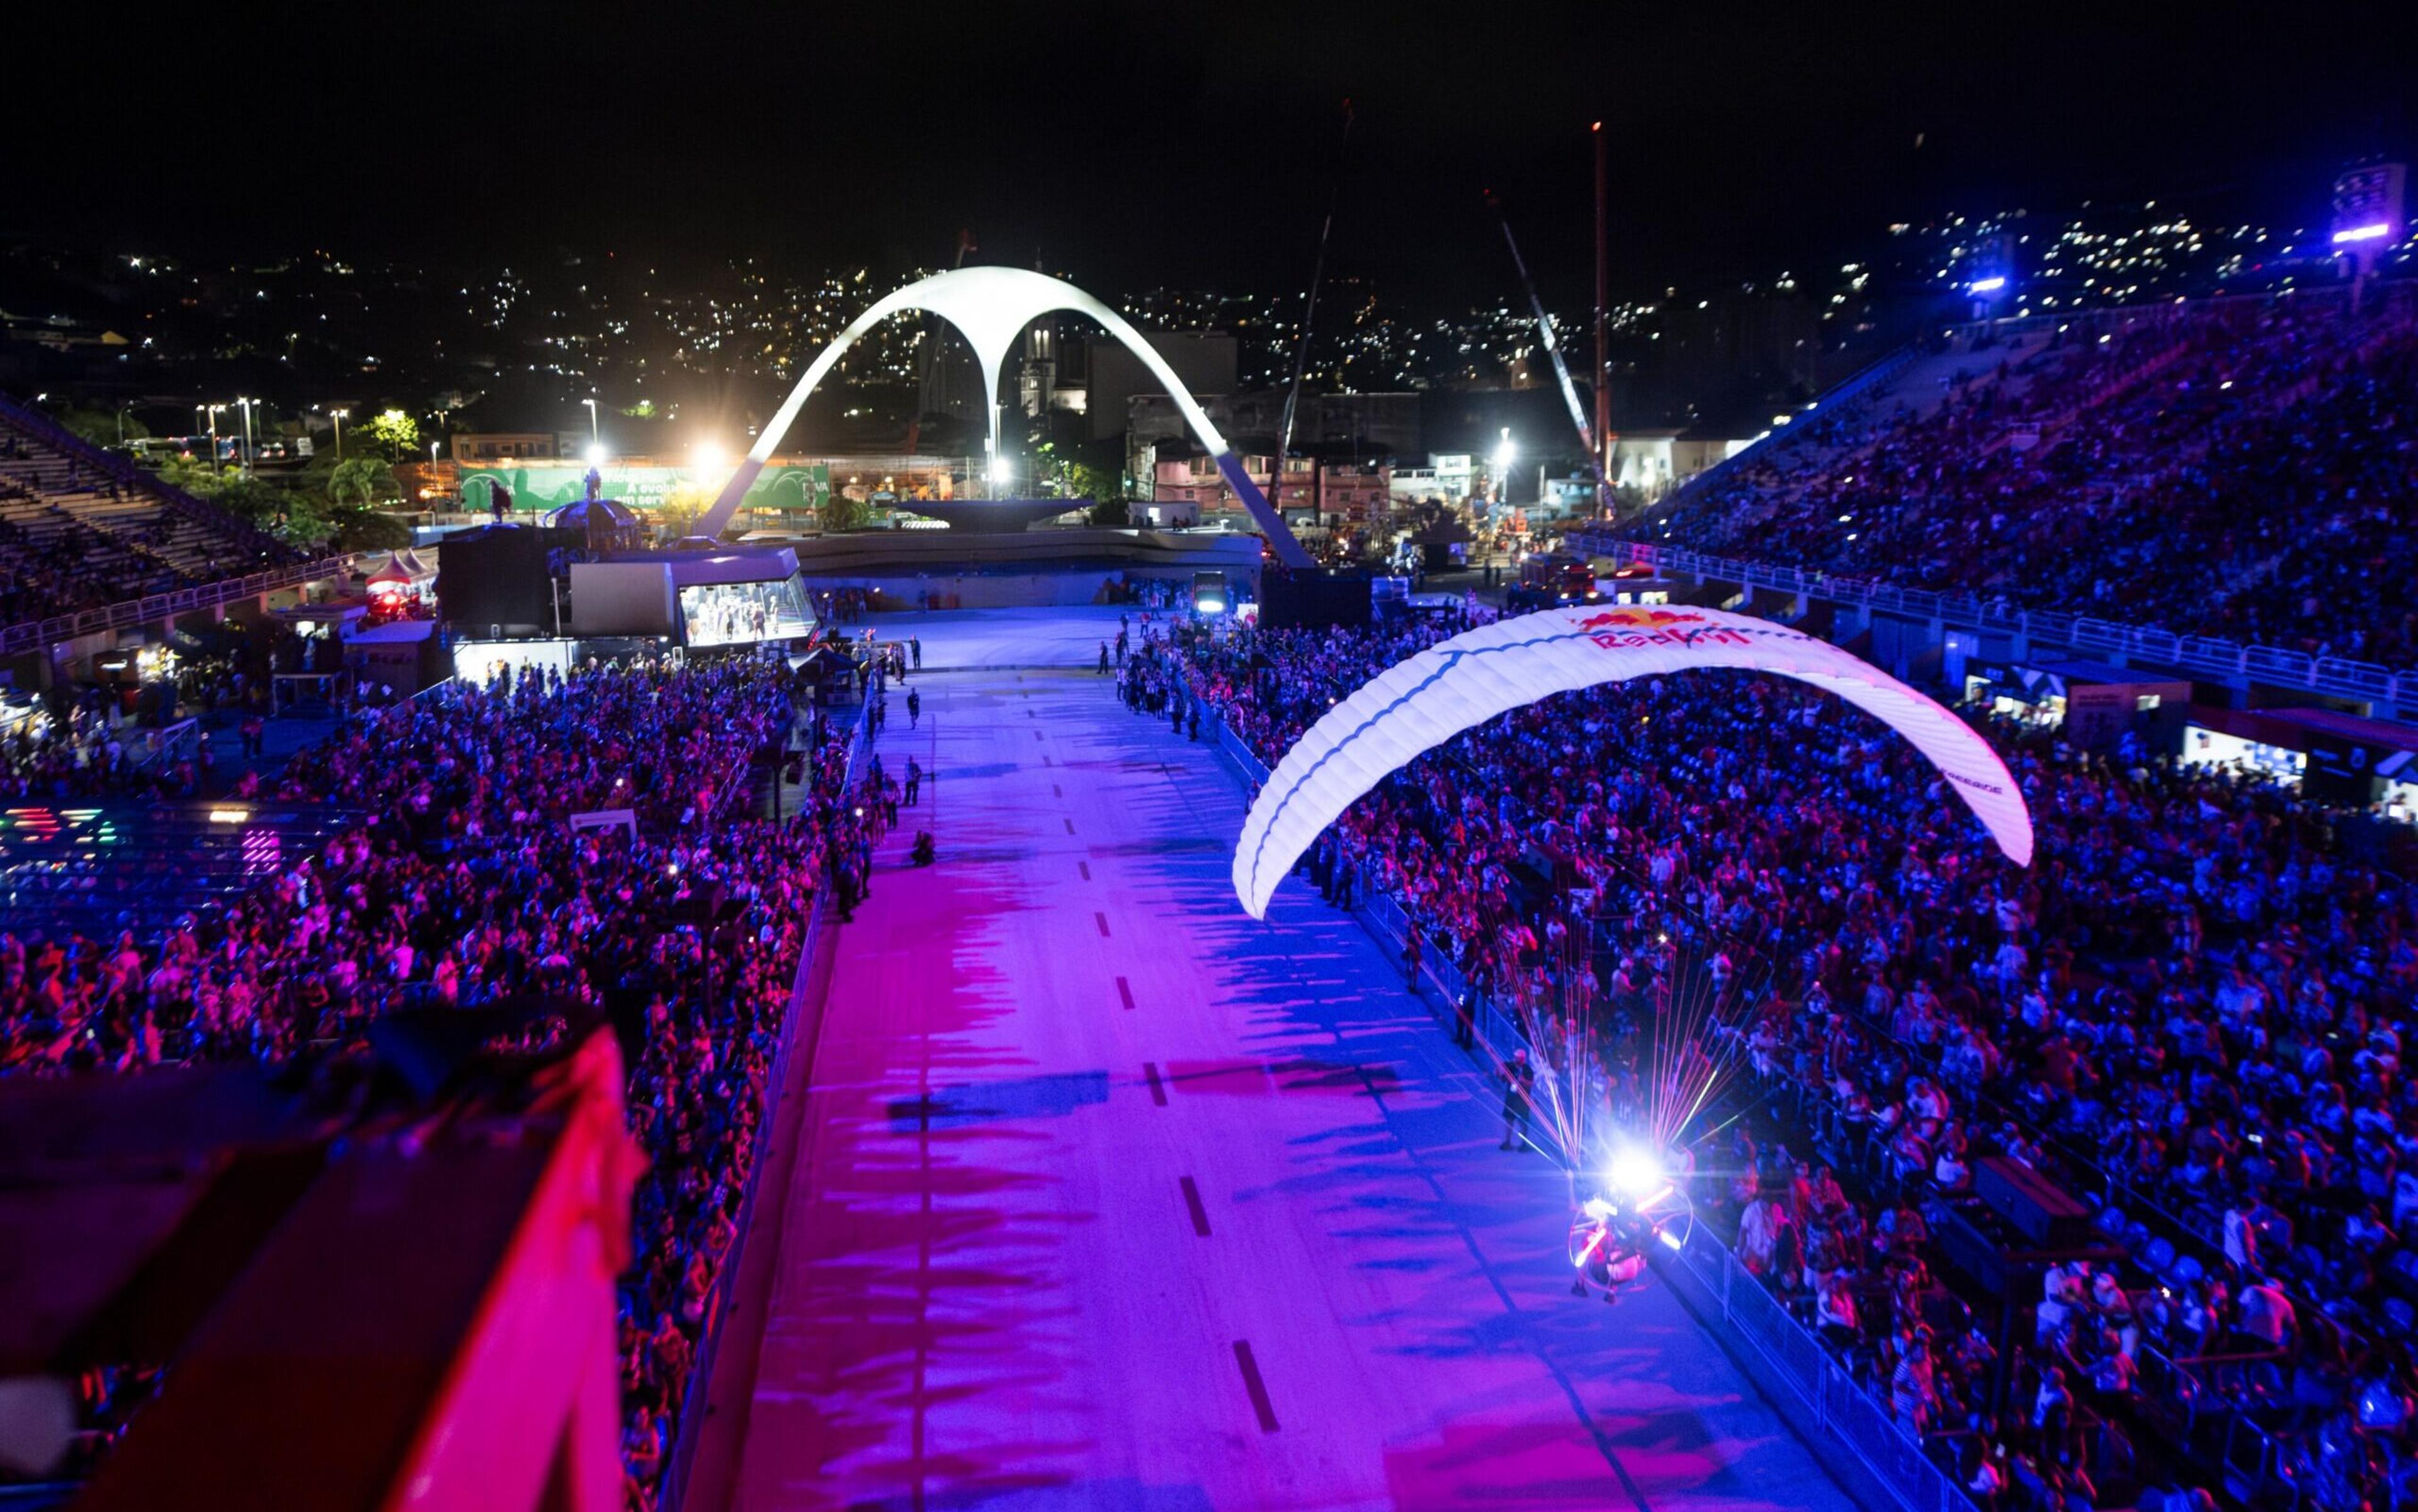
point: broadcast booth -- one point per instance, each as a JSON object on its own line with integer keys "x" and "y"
{"x": 2095, "y": 704}
{"x": 739, "y": 595}
{"x": 733, "y": 596}
{"x": 403, "y": 655}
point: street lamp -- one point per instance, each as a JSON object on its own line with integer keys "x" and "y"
{"x": 1505, "y": 454}
{"x": 338, "y": 416}
{"x": 436, "y": 483}
{"x": 247, "y": 405}
{"x": 210, "y": 412}
{"x": 595, "y": 437}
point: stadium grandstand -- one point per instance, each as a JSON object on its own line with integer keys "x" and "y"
{"x": 425, "y": 861}
{"x": 2189, "y": 1016}
{"x": 84, "y": 532}
{"x": 2235, "y": 467}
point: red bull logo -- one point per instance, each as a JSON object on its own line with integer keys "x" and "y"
{"x": 1636, "y": 616}
{"x": 1633, "y": 625}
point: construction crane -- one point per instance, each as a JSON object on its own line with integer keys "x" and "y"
{"x": 932, "y": 387}
{"x": 1308, "y": 314}
{"x": 1553, "y": 350}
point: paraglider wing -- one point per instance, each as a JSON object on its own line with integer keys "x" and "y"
{"x": 1426, "y": 700}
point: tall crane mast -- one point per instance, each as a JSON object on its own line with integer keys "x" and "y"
{"x": 931, "y": 387}
{"x": 1553, "y": 350}
{"x": 1308, "y": 314}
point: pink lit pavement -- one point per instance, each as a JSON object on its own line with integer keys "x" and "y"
{"x": 1107, "y": 1197}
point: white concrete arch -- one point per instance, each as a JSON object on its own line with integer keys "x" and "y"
{"x": 992, "y": 306}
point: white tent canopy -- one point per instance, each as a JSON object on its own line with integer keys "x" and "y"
{"x": 1426, "y": 700}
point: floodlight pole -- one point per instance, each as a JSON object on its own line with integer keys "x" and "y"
{"x": 1602, "y": 320}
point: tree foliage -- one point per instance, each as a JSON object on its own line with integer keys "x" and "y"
{"x": 839, "y": 512}
{"x": 684, "y": 504}
{"x": 359, "y": 529}
{"x": 1102, "y": 485}
{"x": 100, "y": 426}
{"x": 337, "y": 512}
{"x": 362, "y": 482}
{"x": 394, "y": 434}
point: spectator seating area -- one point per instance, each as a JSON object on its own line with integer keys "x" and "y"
{"x": 81, "y": 529}
{"x": 2189, "y": 1013}
{"x": 2230, "y": 468}
{"x": 465, "y": 884}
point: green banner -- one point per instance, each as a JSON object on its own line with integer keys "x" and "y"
{"x": 538, "y": 486}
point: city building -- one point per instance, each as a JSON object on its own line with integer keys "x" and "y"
{"x": 476, "y": 449}
{"x": 1333, "y": 491}
{"x": 1386, "y": 425}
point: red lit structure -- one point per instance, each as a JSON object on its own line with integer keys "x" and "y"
{"x": 408, "y": 1310}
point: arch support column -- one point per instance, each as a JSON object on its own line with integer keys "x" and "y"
{"x": 991, "y": 306}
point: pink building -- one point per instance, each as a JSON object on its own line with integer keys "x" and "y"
{"x": 1355, "y": 492}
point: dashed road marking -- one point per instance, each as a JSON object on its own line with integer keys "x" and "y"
{"x": 1258, "y": 1388}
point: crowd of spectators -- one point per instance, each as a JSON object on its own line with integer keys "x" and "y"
{"x": 465, "y": 885}
{"x": 75, "y": 745}
{"x": 2190, "y": 1009}
{"x": 2231, "y": 468}
{"x": 67, "y": 566}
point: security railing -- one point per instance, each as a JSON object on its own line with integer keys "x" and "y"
{"x": 1837, "y": 1403}
{"x": 2190, "y": 653}
{"x": 30, "y": 635}
{"x": 155, "y": 750}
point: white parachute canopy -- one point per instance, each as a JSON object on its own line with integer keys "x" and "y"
{"x": 1417, "y": 704}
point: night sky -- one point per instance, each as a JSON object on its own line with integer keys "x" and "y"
{"x": 1130, "y": 145}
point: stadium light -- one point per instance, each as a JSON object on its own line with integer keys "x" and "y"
{"x": 1985, "y": 285}
{"x": 597, "y": 455}
{"x": 2368, "y": 233}
{"x": 709, "y": 455}
{"x": 1001, "y": 469}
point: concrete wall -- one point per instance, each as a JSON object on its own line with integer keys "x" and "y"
{"x": 995, "y": 590}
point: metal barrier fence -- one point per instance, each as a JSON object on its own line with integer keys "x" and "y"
{"x": 1842, "y": 1409}
{"x": 709, "y": 1344}
{"x": 28, "y": 634}
{"x": 151, "y": 750}
{"x": 2195, "y": 653}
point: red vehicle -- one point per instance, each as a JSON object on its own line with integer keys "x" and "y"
{"x": 1548, "y": 582}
